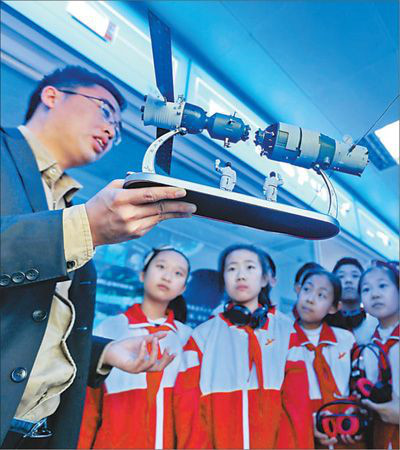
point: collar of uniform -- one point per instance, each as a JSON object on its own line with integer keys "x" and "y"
{"x": 136, "y": 317}
{"x": 49, "y": 167}
{"x": 394, "y": 335}
{"x": 327, "y": 336}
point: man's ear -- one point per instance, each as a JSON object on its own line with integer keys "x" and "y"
{"x": 49, "y": 96}
{"x": 141, "y": 276}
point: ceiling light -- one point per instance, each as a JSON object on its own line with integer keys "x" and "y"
{"x": 92, "y": 18}
{"x": 389, "y": 136}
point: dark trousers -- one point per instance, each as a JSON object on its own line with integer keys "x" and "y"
{"x": 16, "y": 440}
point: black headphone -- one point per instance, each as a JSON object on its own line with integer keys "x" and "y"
{"x": 351, "y": 424}
{"x": 241, "y": 316}
{"x": 381, "y": 391}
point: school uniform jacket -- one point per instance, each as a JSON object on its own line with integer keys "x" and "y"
{"x": 385, "y": 434}
{"x": 337, "y": 354}
{"x": 134, "y": 410}
{"x": 236, "y": 388}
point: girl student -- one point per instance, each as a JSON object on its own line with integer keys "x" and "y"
{"x": 325, "y": 350}
{"x": 136, "y": 410}
{"x": 230, "y": 392}
{"x": 379, "y": 289}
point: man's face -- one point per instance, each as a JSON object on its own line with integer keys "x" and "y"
{"x": 349, "y": 276}
{"x": 82, "y": 133}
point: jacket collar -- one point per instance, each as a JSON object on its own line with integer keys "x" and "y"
{"x": 394, "y": 335}
{"x": 137, "y": 318}
{"x": 327, "y": 336}
{"x": 27, "y": 168}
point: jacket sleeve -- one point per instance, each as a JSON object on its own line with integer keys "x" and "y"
{"x": 23, "y": 239}
{"x": 189, "y": 413}
{"x": 98, "y": 345}
{"x": 296, "y": 428}
{"x": 91, "y": 419}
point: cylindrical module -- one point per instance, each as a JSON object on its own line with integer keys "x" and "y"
{"x": 305, "y": 148}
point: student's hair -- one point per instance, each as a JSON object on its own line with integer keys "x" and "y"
{"x": 267, "y": 265}
{"x": 348, "y": 261}
{"x": 178, "y": 304}
{"x": 333, "y": 279}
{"x": 391, "y": 269}
{"x": 71, "y": 77}
{"x": 228, "y": 164}
{"x": 272, "y": 174}
{"x": 305, "y": 268}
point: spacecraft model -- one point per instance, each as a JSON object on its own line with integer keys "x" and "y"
{"x": 279, "y": 142}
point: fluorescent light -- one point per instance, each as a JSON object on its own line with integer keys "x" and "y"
{"x": 93, "y": 19}
{"x": 389, "y": 136}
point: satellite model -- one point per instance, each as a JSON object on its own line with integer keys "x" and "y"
{"x": 280, "y": 142}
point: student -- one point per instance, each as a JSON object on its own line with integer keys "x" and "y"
{"x": 235, "y": 387}
{"x": 352, "y": 315}
{"x": 379, "y": 290}
{"x": 325, "y": 350}
{"x": 298, "y": 279}
{"x": 135, "y": 410}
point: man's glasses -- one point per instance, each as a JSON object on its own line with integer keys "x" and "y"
{"x": 107, "y": 111}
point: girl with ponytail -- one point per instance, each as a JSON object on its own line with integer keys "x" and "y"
{"x": 237, "y": 388}
{"x": 136, "y": 411}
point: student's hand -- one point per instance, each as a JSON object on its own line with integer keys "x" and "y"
{"x": 131, "y": 355}
{"x": 324, "y": 439}
{"x": 117, "y": 215}
{"x": 388, "y": 412}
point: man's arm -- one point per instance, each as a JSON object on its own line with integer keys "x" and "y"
{"x": 28, "y": 243}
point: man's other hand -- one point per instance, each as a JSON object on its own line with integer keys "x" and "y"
{"x": 117, "y": 215}
{"x": 131, "y": 354}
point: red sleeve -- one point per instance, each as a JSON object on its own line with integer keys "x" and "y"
{"x": 296, "y": 427}
{"x": 91, "y": 417}
{"x": 189, "y": 410}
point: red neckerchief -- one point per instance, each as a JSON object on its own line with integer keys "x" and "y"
{"x": 135, "y": 316}
{"x": 392, "y": 340}
{"x": 326, "y": 380}
{"x": 254, "y": 349}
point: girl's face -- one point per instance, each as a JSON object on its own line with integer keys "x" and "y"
{"x": 380, "y": 296}
{"x": 243, "y": 276}
{"x": 165, "y": 277}
{"x": 315, "y": 300}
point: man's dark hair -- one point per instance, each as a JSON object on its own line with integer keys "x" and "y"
{"x": 72, "y": 77}
{"x": 348, "y": 261}
{"x": 272, "y": 174}
{"x": 306, "y": 268}
{"x": 228, "y": 164}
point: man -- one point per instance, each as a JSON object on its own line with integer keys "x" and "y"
{"x": 228, "y": 176}
{"x": 352, "y": 316}
{"x": 270, "y": 186}
{"x": 47, "y": 279}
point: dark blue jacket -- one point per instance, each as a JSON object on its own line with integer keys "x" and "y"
{"x": 32, "y": 262}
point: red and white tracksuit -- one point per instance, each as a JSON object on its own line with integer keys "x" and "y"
{"x": 337, "y": 345}
{"x": 237, "y": 389}
{"x": 134, "y": 410}
{"x": 386, "y": 435}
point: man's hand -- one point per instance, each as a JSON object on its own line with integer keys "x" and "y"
{"x": 389, "y": 412}
{"x": 117, "y": 215}
{"x": 131, "y": 354}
